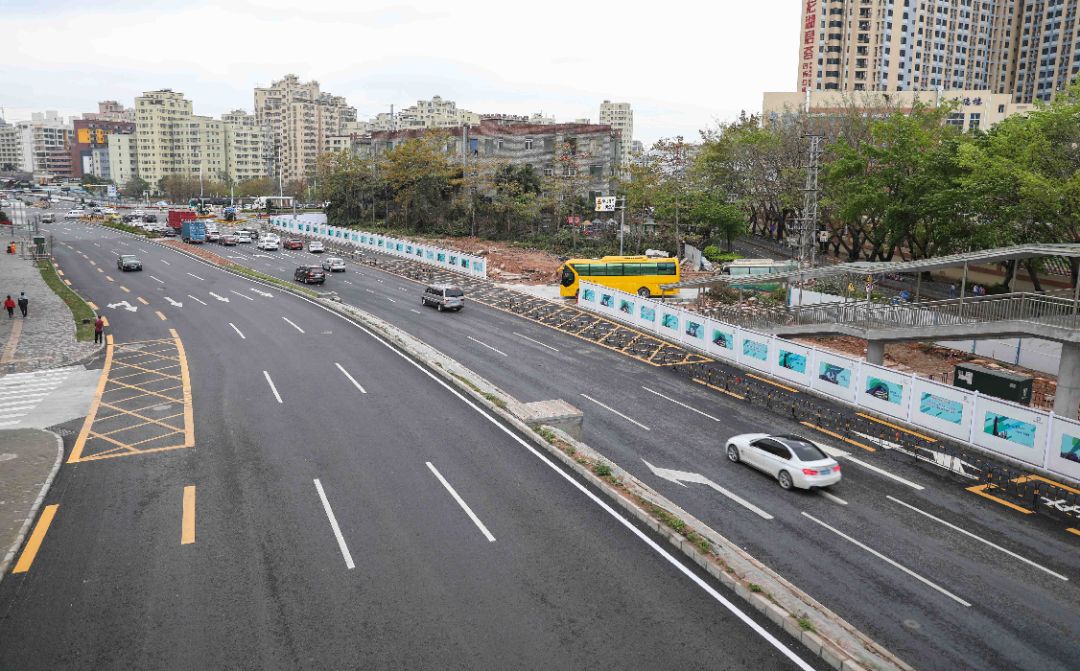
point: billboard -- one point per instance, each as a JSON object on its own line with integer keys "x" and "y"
{"x": 883, "y": 390}
{"x": 1010, "y": 429}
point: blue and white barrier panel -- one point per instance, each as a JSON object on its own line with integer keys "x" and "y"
{"x": 315, "y": 225}
{"x": 1035, "y": 437}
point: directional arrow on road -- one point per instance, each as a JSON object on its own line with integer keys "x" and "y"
{"x": 124, "y": 304}
{"x": 262, "y": 293}
{"x": 220, "y": 298}
{"x": 175, "y": 304}
{"x": 679, "y": 477}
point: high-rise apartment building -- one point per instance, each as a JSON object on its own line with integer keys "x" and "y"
{"x": 16, "y": 148}
{"x": 300, "y": 118}
{"x": 110, "y": 110}
{"x": 45, "y": 144}
{"x": 249, "y": 148}
{"x": 1025, "y": 48}
{"x": 621, "y": 118}
{"x": 90, "y": 135}
{"x": 123, "y": 157}
{"x": 174, "y": 141}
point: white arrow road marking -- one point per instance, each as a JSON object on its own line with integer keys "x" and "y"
{"x": 195, "y": 299}
{"x": 678, "y": 477}
{"x": 245, "y": 297}
{"x": 220, "y": 298}
{"x": 885, "y": 559}
{"x": 123, "y": 304}
{"x": 197, "y": 277}
{"x": 156, "y": 280}
{"x": 293, "y": 325}
{"x": 266, "y": 294}
{"x": 175, "y": 304}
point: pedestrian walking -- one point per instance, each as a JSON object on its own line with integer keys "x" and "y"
{"x": 24, "y": 302}
{"x": 952, "y": 290}
{"x": 99, "y": 329}
{"x": 9, "y": 305}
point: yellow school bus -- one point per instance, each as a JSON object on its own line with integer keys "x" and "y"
{"x": 639, "y": 275}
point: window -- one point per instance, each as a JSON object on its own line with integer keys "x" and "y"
{"x": 596, "y": 171}
{"x": 528, "y": 143}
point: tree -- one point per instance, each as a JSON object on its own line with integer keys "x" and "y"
{"x": 257, "y": 186}
{"x": 94, "y": 180}
{"x": 135, "y": 188}
{"x": 347, "y": 182}
{"x": 712, "y": 213}
{"x": 421, "y": 180}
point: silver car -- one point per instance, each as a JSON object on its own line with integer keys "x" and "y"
{"x": 333, "y": 264}
{"x": 793, "y": 460}
{"x": 443, "y": 297}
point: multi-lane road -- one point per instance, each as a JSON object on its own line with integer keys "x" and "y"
{"x": 264, "y": 484}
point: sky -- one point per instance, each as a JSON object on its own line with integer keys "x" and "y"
{"x": 683, "y": 65}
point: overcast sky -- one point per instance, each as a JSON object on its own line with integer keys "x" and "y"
{"x": 681, "y": 64}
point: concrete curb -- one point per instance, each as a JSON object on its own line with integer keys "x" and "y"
{"x": 35, "y": 507}
{"x": 854, "y": 651}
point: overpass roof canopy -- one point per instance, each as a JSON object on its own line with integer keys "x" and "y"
{"x": 998, "y": 255}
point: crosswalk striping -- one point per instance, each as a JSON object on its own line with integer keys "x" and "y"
{"x": 21, "y": 393}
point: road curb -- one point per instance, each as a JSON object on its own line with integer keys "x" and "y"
{"x": 9, "y": 556}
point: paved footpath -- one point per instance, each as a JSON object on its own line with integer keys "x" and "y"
{"x": 41, "y": 385}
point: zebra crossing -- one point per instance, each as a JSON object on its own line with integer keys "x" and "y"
{"x": 21, "y": 393}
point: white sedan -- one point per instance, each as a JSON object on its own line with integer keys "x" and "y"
{"x": 315, "y": 247}
{"x": 794, "y": 461}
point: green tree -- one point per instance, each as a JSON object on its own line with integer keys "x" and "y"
{"x": 258, "y": 186}
{"x": 347, "y": 182}
{"x": 421, "y": 180}
{"x": 716, "y": 217}
{"x": 135, "y": 188}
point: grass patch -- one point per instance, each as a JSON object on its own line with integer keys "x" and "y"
{"x": 270, "y": 279}
{"x": 663, "y": 516}
{"x": 603, "y": 469}
{"x": 80, "y": 311}
{"x": 492, "y": 398}
{"x": 545, "y": 433}
{"x": 130, "y": 229}
{"x": 804, "y": 623}
{"x": 754, "y": 587}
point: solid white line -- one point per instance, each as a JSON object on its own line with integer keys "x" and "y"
{"x": 882, "y": 471}
{"x": 892, "y": 563}
{"x": 464, "y": 506}
{"x": 370, "y": 291}
{"x": 197, "y": 277}
{"x": 32, "y": 385}
{"x": 17, "y": 405}
{"x": 978, "y": 538}
{"x": 166, "y": 262}
{"x": 522, "y": 335}
{"x": 334, "y": 525}
{"x": 416, "y": 311}
{"x": 606, "y": 407}
{"x": 195, "y": 299}
{"x": 241, "y": 295}
{"x": 156, "y": 280}
{"x": 351, "y": 379}
{"x": 832, "y": 497}
{"x": 22, "y": 393}
{"x": 485, "y": 345}
{"x": 272, "y": 387}
{"x": 390, "y": 299}
{"x": 292, "y": 324}
{"x": 237, "y": 331}
{"x": 703, "y": 414}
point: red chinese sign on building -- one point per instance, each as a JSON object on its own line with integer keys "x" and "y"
{"x": 806, "y": 71}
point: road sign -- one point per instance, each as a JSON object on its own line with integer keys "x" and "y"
{"x": 112, "y": 191}
{"x": 605, "y": 203}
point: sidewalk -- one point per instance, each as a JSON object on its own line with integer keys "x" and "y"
{"x": 46, "y": 338}
{"x": 29, "y": 460}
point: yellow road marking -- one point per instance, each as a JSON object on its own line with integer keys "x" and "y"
{"x": 720, "y": 389}
{"x": 1073, "y": 531}
{"x": 1028, "y": 478}
{"x": 894, "y": 426}
{"x": 67, "y": 282}
{"x": 84, "y": 433}
{"x": 160, "y": 316}
{"x": 92, "y": 306}
{"x": 981, "y": 491}
{"x": 187, "y": 533}
{"x": 100, "y": 271}
{"x": 91, "y": 262}
{"x": 125, "y": 289}
{"x": 109, "y": 278}
{"x": 36, "y": 538}
{"x": 775, "y": 384}
{"x": 189, "y": 413}
{"x": 142, "y": 300}
{"x": 839, "y": 437}
{"x": 105, "y": 321}
{"x": 12, "y": 343}
{"x": 59, "y": 272}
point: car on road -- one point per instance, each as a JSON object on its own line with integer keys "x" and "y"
{"x": 228, "y": 239}
{"x": 126, "y": 262}
{"x": 269, "y": 243}
{"x": 443, "y": 297}
{"x": 334, "y": 264}
{"x": 150, "y": 218}
{"x": 293, "y": 243}
{"x": 108, "y": 210}
{"x": 48, "y": 218}
{"x": 793, "y": 460}
{"x": 139, "y": 213}
{"x": 242, "y": 237}
{"x": 213, "y": 236}
{"x": 309, "y": 275}
{"x": 75, "y": 214}
{"x": 315, "y": 247}
{"x": 169, "y": 232}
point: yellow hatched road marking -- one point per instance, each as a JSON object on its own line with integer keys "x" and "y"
{"x": 67, "y": 282}
{"x": 839, "y": 437}
{"x": 142, "y": 300}
{"x": 187, "y": 532}
{"x": 775, "y": 384}
{"x": 105, "y": 322}
{"x": 1073, "y": 531}
{"x": 36, "y": 538}
{"x": 895, "y": 426}
{"x": 720, "y": 389}
{"x": 981, "y": 491}
{"x": 92, "y": 306}
{"x": 59, "y": 272}
{"x": 109, "y": 278}
{"x": 125, "y": 289}
{"x": 160, "y": 316}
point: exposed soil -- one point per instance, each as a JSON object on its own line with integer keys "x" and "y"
{"x": 506, "y": 263}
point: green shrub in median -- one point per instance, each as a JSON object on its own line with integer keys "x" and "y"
{"x": 80, "y": 311}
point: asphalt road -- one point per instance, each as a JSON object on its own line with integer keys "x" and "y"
{"x": 340, "y": 508}
{"x": 942, "y": 578}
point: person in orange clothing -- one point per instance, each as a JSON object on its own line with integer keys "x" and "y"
{"x": 9, "y": 305}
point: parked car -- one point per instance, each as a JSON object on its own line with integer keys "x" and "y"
{"x": 334, "y": 264}
{"x": 443, "y": 297}
{"x": 126, "y": 262}
{"x": 793, "y": 460}
{"x": 228, "y": 239}
{"x": 309, "y": 275}
{"x": 315, "y": 247}
{"x": 293, "y": 243}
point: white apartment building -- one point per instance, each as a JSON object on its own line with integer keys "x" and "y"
{"x": 300, "y": 118}
{"x": 435, "y": 113}
{"x": 249, "y": 148}
{"x": 16, "y": 148}
{"x": 173, "y": 141}
{"x": 123, "y": 157}
{"x": 620, "y": 117}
